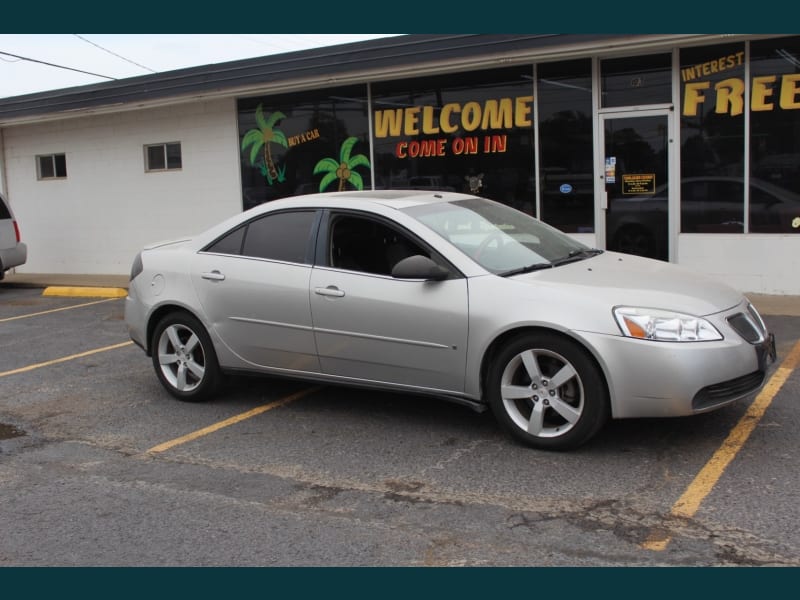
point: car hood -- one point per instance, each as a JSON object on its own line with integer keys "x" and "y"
{"x": 614, "y": 279}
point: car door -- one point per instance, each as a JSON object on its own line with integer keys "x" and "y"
{"x": 253, "y": 286}
{"x": 370, "y": 326}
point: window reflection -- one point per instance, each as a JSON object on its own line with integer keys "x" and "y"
{"x": 712, "y": 139}
{"x": 775, "y": 137}
{"x": 565, "y": 145}
{"x": 636, "y": 80}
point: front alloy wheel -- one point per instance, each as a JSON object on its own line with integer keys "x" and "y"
{"x": 184, "y": 358}
{"x": 547, "y": 392}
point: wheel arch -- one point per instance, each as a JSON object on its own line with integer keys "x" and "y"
{"x": 506, "y": 336}
{"x": 159, "y": 313}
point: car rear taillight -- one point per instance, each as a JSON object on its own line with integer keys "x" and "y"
{"x": 16, "y": 230}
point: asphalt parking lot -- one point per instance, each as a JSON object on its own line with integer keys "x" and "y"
{"x": 100, "y": 466}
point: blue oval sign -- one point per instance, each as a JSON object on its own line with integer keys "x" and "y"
{"x": 565, "y": 188}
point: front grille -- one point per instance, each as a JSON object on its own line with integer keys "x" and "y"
{"x": 727, "y": 391}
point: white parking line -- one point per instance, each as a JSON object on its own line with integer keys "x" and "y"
{"x": 54, "y": 310}
{"x": 64, "y": 359}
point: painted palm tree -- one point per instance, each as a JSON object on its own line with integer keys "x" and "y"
{"x": 344, "y": 169}
{"x": 263, "y": 136}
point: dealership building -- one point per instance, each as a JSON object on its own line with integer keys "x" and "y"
{"x": 684, "y": 147}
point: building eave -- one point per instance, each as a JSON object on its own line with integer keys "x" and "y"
{"x": 360, "y": 62}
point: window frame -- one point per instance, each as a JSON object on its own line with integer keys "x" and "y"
{"x": 165, "y": 155}
{"x": 308, "y": 257}
{"x": 330, "y": 216}
{"x": 53, "y": 157}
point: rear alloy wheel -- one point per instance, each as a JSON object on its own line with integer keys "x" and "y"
{"x": 547, "y": 392}
{"x": 184, "y": 358}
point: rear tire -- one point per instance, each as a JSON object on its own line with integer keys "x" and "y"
{"x": 184, "y": 358}
{"x": 547, "y": 392}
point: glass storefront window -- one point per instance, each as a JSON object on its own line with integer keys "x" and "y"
{"x": 304, "y": 142}
{"x": 564, "y": 95}
{"x": 466, "y": 132}
{"x": 775, "y": 136}
{"x": 636, "y": 80}
{"x": 712, "y": 139}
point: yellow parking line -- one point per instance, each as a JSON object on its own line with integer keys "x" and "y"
{"x": 231, "y": 421}
{"x": 85, "y": 292}
{"x": 689, "y": 503}
{"x": 54, "y": 310}
{"x": 64, "y": 359}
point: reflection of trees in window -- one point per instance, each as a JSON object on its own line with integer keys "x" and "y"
{"x": 632, "y": 150}
{"x": 560, "y": 133}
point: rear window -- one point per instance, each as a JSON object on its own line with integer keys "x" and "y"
{"x": 4, "y": 211}
{"x": 285, "y": 236}
{"x": 281, "y": 236}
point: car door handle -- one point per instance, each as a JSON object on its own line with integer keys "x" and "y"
{"x": 213, "y": 276}
{"x": 331, "y": 290}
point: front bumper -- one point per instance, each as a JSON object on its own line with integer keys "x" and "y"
{"x": 670, "y": 379}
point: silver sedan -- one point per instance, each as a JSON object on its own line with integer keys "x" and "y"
{"x": 448, "y": 295}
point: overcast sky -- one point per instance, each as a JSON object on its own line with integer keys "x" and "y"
{"x": 118, "y": 56}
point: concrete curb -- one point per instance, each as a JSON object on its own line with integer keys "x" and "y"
{"x": 85, "y": 292}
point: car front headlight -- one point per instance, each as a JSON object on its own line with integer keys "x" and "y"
{"x": 663, "y": 325}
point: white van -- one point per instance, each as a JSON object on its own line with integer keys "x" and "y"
{"x": 13, "y": 252}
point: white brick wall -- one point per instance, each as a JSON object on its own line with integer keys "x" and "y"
{"x": 96, "y": 219}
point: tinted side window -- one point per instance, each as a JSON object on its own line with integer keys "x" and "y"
{"x": 360, "y": 244}
{"x": 282, "y": 236}
{"x": 4, "y": 212}
{"x": 231, "y": 243}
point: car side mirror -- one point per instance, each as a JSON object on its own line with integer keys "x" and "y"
{"x": 419, "y": 267}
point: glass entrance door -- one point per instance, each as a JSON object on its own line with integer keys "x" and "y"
{"x": 636, "y": 172}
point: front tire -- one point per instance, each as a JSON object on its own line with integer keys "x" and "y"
{"x": 184, "y": 358}
{"x": 547, "y": 392}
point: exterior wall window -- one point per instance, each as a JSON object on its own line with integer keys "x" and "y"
{"x": 51, "y": 166}
{"x": 712, "y": 138}
{"x": 163, "y": 157}
{"x": 467, "y": 132}
{"x": 775, "y": 136}
{"x": 565, "y": 145}
{"x": 636, "y": 80}
{"x": 302, "y": 143}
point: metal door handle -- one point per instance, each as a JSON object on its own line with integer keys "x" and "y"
{"x": 331, "y": 290}
{"x": 213, "y": 276}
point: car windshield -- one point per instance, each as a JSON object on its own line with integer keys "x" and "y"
{"x": 501, "y": 239}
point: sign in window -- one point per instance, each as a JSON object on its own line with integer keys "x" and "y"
{"x": 639, "y": 183}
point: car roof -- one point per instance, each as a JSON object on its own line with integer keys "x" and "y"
{"x": 357, "y": 200}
